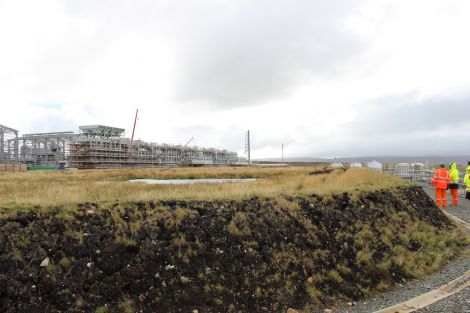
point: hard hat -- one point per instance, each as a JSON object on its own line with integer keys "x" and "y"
{"x": 442, "y": 164}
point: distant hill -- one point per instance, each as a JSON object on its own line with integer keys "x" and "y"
{"x": 461, "y": 159}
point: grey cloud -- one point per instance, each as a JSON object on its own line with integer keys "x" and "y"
{"x": 403, "y": 125}
{"x": 263, "y": 50}
{"x": 238, "y": 53}
{"x": 405, "y": 113}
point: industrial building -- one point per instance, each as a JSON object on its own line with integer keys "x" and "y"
{"x": 44, "y": 149}
{"x": 98, "y": 146}
{"x": 196, "y": 156}
{"x": 8, "y": 145}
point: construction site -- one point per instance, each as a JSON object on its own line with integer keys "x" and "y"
{"x": 259, "y": 240}
{"x": 98, "y": 146}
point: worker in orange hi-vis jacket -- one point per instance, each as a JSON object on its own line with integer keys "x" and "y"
{"x": 441, "y": 181}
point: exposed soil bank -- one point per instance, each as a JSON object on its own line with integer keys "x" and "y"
{"x": 255, "y": 255}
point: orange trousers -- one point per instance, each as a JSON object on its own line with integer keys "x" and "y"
{"x": 441, "y": 197}
{"x": 455, "y": 196}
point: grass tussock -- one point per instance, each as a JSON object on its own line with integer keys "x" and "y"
{"x": 21, "y": 190}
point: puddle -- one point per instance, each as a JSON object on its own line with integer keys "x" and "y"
{"x": 192, "y": 181}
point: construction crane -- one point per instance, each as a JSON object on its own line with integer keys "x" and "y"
{"x": 192, "y": 138}
{"x": 185, "y": 161}
{"x": 133, "y": 129}
{"x": 131, "y": 147}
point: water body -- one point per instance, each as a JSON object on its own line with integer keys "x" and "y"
{"x": 192, "y": 181}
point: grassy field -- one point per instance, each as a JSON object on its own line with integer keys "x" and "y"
{"x": 274, "y": 251}
{"x": 49, "y": 188}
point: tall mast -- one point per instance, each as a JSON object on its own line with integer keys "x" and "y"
{"x": 133, "y": 129}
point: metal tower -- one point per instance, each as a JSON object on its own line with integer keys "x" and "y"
{"x": 248, "y": 147}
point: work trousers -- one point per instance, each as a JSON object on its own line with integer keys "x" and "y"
{"x": 441, "y": 197}
{"x": 455, "y": 196}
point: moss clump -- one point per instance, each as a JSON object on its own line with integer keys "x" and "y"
{"x": 66, "y": 262}
{"x": 126, "y": 306}
{"x": 102, "y": 309}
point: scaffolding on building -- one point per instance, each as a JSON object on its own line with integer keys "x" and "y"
{"x": 45, "y": 149}
{"x": 8, "y": 145}
{"x": 98, "y": 146}
{"x": 195, "y": 156}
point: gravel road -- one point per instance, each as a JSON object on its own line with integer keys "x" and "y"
{"x": 462, "y": 211}
{"x": 459, "y": 302}
{"x": 415, "y": 288}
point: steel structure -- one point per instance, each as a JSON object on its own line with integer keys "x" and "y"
{"x": 99, "y": 146}
{"x": 8, "y": 145}
{"x": 45, "y": 149}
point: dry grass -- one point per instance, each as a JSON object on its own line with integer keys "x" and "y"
{"x": 70, "y": 187}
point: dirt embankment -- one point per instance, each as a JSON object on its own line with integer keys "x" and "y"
{"x": 255, "y": 255}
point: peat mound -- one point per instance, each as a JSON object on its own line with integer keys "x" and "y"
{"x": 253, "y": 255}
{"x": 327, "y": 170}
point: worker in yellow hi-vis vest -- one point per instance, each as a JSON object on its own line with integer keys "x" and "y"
{"x": 454, "y": 178}
{"x": 466, "y": 181}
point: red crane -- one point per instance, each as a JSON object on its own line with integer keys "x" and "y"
{"x": 133, "y": 129}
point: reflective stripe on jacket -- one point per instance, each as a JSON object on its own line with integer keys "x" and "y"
{"x": 454, "y": 174}
{"x": 441, "y": 178}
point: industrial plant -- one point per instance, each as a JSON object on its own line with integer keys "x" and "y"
{"x": 98, "y": 146}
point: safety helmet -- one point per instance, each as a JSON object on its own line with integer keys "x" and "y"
{"x": 442, "y": 164}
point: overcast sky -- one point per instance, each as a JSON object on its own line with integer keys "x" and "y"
{"x": 326, "y": 78}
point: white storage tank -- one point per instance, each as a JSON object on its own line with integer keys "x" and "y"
{"x": 400, "y": 167}
{"x": 375, "y": 166}
{"x": 355, "y": 164}
{"x": 418, "y": 166}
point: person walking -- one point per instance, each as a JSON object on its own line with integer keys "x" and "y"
{"x": 440, "y": 182}
{"x": 466, "y": 181}
{"x": 454, "y": 178}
